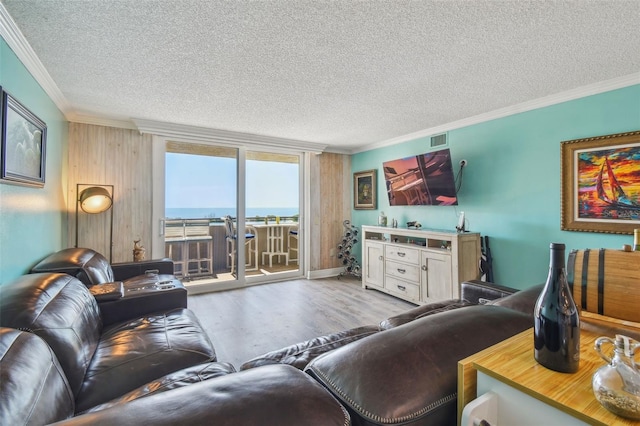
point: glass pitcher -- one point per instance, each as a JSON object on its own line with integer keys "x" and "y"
{"x": 617, "y": 384}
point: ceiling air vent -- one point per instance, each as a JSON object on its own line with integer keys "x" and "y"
{"x": 439, "y": 140}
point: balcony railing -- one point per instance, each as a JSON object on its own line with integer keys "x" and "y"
{"x": 198, "y": 246}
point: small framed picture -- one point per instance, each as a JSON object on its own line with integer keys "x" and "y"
{"x": 23, "y": 149}
{"x": 364, "y": 190}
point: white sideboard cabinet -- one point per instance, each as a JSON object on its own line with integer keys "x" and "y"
{"x": 419, "y": 265}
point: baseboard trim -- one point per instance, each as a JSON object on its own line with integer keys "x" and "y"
{"x": 324, "y": 273}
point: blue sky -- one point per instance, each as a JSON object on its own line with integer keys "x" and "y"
{"x": 194, "y": 181}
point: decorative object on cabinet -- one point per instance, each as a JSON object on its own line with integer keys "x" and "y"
{"x": 414, "y": 224}
{"x": 345, "y": 250}
{"x": 24, "y": 138}
{"x": 382, "y": 219}
{"x": 556, "y": 323}
{"x": 95, "y": 199}
{"x": 461, "y": 226}
{"x": 605, "y": 282}
{"x": 617, "y": 384}
{"x": 600, "y": 189}
{"x": 412, "y": 265}
{"x": 364, "y": 190}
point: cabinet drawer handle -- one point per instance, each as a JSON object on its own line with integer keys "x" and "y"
{"x": 400, "y": 254}
{"x": 402, "y": 271}
{"x": 424, "y": 267}
{"x": 401, "y": 287}
{"x": 380, "y": 258}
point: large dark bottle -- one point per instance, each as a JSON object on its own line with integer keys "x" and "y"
{"x": 556, "y": 323}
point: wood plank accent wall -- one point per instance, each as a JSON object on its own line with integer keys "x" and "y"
{"x": 122, "y": 157}
{"x": 334, "y": 208}
{"x": 111, "y": 156}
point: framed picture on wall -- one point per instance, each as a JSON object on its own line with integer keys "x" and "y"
{"x": 601, "y": 184}
{"x": 23, "y": 146}
{"x": 364, "y": 190}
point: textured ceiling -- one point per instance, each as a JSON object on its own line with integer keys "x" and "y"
{"x": 341, "y": 73}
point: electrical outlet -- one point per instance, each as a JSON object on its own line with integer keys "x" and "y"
{"x": 332, "y": 252}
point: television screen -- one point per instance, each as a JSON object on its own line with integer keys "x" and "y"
{"x": 425, "y": 179}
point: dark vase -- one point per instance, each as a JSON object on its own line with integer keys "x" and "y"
{"x": 556, "y": 322}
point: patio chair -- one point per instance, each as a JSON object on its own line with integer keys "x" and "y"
{"x": 250, "y": 241}
{"x": 293, "y": 235}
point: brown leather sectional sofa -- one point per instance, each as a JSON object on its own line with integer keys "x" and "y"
{"x": 59, "y": 362}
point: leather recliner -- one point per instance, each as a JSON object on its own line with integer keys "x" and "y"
{"x": 100, "y": 362}
{"x": 93, "y": 268}
{"x": 151, "y": 280}
{"x": 34, "y": 391}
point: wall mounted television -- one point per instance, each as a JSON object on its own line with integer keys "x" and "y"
{"x": 421, "y": 180}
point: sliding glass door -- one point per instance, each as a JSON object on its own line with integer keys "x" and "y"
{"x": 273, "y": 210}
{"x": 212, "y": 192}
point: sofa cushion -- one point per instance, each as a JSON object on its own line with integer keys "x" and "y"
{"x": 178, "y": 379}
{"x": 135, "y": 352}
{"x": 408, "y": 374}
{"x": 300, "y": 354}
{"x": 33, "y": 388}
{"x": 87, "y": 265}
{"x": 61, "y": 310}
{"x": 272, "y": 395}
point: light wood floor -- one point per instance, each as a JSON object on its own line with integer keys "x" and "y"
{"x": 248, "y": 322}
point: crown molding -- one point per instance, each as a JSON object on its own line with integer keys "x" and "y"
{"x": 22, "y": 49}
{"x": 205, "y": 134}
{"x": 101, "y": 121}
{"x": 569, "y": 95}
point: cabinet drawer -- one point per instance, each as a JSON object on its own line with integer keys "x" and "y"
{"x": 403, "y": 289}
{"x": 402, "y": 254}
{"x": 403, "y": 271}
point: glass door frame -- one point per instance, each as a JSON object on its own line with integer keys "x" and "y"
{"x": 159, "y": 144}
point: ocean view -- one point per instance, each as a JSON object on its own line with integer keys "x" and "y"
{"x": 219, "y": 212}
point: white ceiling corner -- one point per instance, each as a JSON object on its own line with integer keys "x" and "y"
{"x": 17, "y": 42}
{"x": 337, "y": 76}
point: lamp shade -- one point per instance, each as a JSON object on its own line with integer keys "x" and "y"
{"x": 95, "y": 200}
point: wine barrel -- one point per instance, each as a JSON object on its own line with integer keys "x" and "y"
{"x": 606, "y": 282}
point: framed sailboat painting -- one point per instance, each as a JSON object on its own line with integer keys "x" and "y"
{"x": 601, "y": 183}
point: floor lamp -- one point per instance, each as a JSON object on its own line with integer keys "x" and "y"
{"x": 94, "y": 199}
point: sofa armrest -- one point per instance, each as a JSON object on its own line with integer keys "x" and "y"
{"x": 300, "y": 354}
{"x": 107, "y": 291}
{"x": 408, "y": 374}
{"x": 123, "y": 271}
{"x": 480, "y": 293}
{"x": 144, "y": 294}
{"x": 523, "y": 300}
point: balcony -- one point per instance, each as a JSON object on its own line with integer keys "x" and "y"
{"x": 198, "y": 248}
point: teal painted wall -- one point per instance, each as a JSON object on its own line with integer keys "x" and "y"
{"x": 511, "y": 185}
{"x": 32, "y": 220}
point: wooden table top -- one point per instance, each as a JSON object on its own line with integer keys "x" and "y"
{"x": 512, "y": 362}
